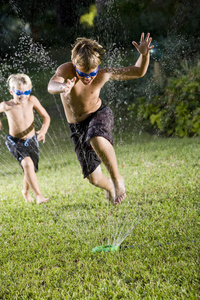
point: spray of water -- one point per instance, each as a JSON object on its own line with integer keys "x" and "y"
{"x": 109, "y": 225}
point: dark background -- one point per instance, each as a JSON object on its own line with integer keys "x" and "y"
{"x": 36, "y": 36}
{"x": 57, "y": 23}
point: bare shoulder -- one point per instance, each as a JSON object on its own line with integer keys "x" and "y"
{"x": 66, "y": 66}
{"x": 104, "y": 74}
{"x": 6, "y": 105}
{"x": 37, "y": 105}
{"x": 110, "y": 73}
{"x": 33, "y": 100}
{"x": 2, "y": 106}
{"x": 65, "y": 70}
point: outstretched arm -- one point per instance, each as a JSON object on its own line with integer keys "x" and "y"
{"x": 140, "y": 67}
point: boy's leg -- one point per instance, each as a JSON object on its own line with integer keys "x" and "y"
{"x": 25, "y": 191}
{"x": 98, "y": 179}
{"x": 106, "y": 153}
{"x": 31, "y": 179}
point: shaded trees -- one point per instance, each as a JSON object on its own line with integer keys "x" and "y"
{"x": 57, "y": 22}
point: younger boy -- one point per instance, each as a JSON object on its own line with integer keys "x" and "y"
{"x": 21, "y": 140}
{"x": 90, "y": 122}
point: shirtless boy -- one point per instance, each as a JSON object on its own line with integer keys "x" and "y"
{"x": 90, "y": 122}
{"x": 21, "y": 140}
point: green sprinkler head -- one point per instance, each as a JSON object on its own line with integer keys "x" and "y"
{"x": 107, "y": 248}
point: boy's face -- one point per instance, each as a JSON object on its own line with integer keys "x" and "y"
{"x": 21, "y": 93}
{"x": 88, "y": 77}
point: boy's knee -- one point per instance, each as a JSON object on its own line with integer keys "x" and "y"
{"x": 93, "y": 179}
{"x": 95, "y": 176}
{"x": 27, "y": 162}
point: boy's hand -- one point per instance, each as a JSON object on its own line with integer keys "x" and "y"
{"x": 40, "y": 136}
{"x": 68, "y": 86}
{"x": 143, "y": 48}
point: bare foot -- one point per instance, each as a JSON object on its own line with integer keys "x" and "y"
{"x": 110, "y": 194}
{"x": 120, "y": 199}
{"x": 117, "y": 192}
{"x": 120, "y": 192}
{"x": 40, "y": 199}
{"x": 27, "y": 196}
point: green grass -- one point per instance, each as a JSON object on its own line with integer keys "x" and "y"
{"x": 46, "y": 250}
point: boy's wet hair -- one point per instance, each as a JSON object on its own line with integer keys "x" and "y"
{"x": 87, "y": 54}
{"x": 15, "y": 80}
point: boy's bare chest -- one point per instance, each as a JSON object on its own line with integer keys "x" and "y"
{"x": 21, "y": 113}
{"x": 80, "y": 103}
{"x": 84, "y": 93}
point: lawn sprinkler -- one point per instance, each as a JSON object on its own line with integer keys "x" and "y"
{"x": 107, "y": 248}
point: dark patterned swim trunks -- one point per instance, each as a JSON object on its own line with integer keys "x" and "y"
{"x": 22, "y": 148}
{"x": 99, "y": 123}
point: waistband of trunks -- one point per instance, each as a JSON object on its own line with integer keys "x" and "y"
{"x": 74, "y": 125}
{"x": 16, "y": 140}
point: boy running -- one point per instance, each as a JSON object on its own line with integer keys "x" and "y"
{"x": 79, "y": 83}
{"x": 21, "y": 140}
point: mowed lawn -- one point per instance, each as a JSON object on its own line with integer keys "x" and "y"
{"x": 46, "y": 250}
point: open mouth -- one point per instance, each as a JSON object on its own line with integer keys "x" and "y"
{"x": 87, "y": 81}
{"x": 22, "y": 98}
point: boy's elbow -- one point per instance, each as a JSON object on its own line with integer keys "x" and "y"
{"x": 48, "y": 118}
{"x": 47, "y": 121}
{"x": 49, "y": 89}
{"x": 141, "y": 74}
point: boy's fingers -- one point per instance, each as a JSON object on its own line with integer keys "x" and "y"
{"x": 69, "y": 85}
{"x": 149, "y": 42}
{"x": 147, "y": 37}
{"x": 73, "y": 80}
{"x": 41, "y": 138}
{"x": 135, "y": 44}
{"x": 142, "y": 37}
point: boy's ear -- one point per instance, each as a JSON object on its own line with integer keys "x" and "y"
{"x": 11, "y": 92}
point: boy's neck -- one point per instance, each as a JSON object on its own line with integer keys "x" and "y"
{"x": 18, "y": 102}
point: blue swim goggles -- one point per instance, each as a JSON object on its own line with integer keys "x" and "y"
{"x": 19, "y": 93}
{"x": 92, "y": 74}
